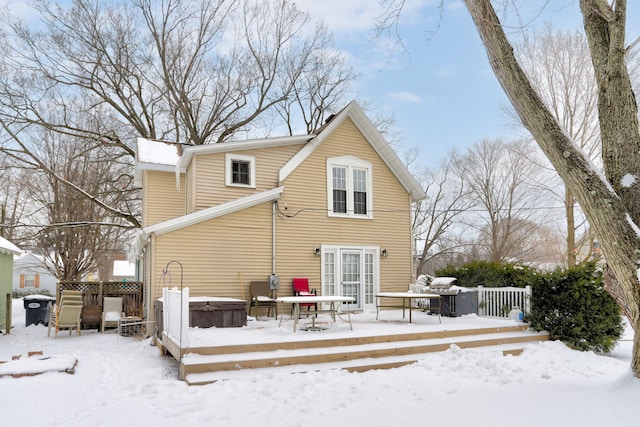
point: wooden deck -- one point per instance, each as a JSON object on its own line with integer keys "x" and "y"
{"x": 307, "y": 351}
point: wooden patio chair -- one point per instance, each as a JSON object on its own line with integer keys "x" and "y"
{"x": 261, "y": 296}
{"x": 66, "y": 314}
{"x": 111, "y": 312}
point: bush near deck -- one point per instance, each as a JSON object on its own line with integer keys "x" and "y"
{"x": 573, "y": 306}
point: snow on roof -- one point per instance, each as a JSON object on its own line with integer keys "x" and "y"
{"x": 7, "y": 246}
{"x": 158, "y": 152}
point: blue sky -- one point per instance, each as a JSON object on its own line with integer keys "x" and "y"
{"x": 441, "y": 89}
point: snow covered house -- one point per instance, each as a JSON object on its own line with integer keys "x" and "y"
{"x": 7, "y": 251}
{"x": 31, "y": 274}
{"x": 334, "y": 207}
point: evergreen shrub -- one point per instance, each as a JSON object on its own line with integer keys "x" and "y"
{"x": 573, "y": 306}
{"x": 490, "y": 274}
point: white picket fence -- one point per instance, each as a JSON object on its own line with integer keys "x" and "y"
{"x": 498, "y": 302}
{"x": 175, "y": 316}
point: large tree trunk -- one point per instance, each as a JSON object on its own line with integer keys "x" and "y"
{"x": 610, "y": 209}
{"x": 571, "y": 227}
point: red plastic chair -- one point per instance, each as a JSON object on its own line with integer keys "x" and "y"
{"x": 301, "y": 288}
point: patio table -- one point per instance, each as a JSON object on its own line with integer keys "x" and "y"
{"x": 407, "y": 297}
{"x": 333, "y": 309}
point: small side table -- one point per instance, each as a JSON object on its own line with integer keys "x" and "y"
{"x": 129, "y": 326}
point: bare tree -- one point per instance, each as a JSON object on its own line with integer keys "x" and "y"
{"x": 320, "y": 88}
{"x": 559, "y": 68}
{"x": 611, "y": 202}
{"x": 13, "y": 203}
{"x": 74, "y": 235}
{"x": 502, "y": 185}
{"x": 192, "y": 72}
{"x": 435, "y": 226}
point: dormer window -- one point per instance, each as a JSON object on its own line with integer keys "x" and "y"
{"x": 241, "y": 171}
{"x": 349, "y": 187}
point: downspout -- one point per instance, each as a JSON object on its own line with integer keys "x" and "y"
{"x": 273, "y": 237}
{"x": 149, "y": 249}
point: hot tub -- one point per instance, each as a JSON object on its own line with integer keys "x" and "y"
{"x": 206, "y": 312}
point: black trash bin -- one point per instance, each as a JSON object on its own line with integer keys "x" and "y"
{"x": 37, "y": 309}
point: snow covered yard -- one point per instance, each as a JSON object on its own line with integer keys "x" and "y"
{"x": 122, "y": 380}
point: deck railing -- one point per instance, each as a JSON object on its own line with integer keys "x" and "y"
{"x": 498, "y": 302}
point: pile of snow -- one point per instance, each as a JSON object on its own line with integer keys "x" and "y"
{"x": 125, "y": 381}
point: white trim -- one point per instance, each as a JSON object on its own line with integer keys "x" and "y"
{"x": 210, "y": 213}
{"x": 373, "y": 137}
{"x": 233, "y": 157}
{"x": 350, "y": 163}
{"x": 234, "y": 146}
{"x": 336, "y": 250}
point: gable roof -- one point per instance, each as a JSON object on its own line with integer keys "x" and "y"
{"x": 163, "y": 156}
{"x": 354, "y": 112}
{"x": 8, "y": 247}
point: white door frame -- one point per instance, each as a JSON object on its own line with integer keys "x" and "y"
{"x": 369, "y": 269}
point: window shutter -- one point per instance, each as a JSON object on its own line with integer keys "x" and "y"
{"x": 22, "y": 280}
{"x": 37, "y": 281}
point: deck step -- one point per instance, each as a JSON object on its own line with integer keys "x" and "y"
{"x": 359, "y": 365}
{"x": 360, "y": 354}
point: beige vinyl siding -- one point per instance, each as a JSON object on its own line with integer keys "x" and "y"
{"x": 219, "y": 256}
{"x": 305, "y": 197}
{"x": 212, "y": 191}
{"x": 161, "y": 199}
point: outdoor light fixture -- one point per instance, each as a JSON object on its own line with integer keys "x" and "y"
{"x": 316, "y": 251}
{"x": 384, "y": 253}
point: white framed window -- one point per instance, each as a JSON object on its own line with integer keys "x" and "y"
{"x": 349, "y": 189}
{"x": 240, "y": 170}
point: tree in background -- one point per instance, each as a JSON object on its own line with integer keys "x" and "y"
{"x": 191, "y": 72}
{"x": 74, "y": 235}
{"x": 503, "y": 187}
{"x": 436, "y": 230}
{"x": 611, "y": 202}
{"x": 559, "y": 68}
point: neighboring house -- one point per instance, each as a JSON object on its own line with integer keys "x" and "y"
{"x": 7, "y": 251}
{"x": 334, "y": 206}
{"x": 123, "y": 271}
{"x": 31, "y": 274}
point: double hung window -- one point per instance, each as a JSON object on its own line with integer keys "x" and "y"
{"x": 349, "y": 187}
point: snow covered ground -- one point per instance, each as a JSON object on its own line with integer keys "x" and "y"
{"x": 125, "y": 381}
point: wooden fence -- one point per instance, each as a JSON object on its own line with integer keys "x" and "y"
{"x": 93, "y": 294}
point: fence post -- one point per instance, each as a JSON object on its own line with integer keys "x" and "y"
{"x": 527, "y": 299}
{"x": 481, "y": 302}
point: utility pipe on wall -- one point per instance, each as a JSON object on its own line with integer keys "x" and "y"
{"x": 273, "y": 237}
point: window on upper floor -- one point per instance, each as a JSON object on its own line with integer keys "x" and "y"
{"x": 349, "y": 187}
{"x": 241, "y": 170}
